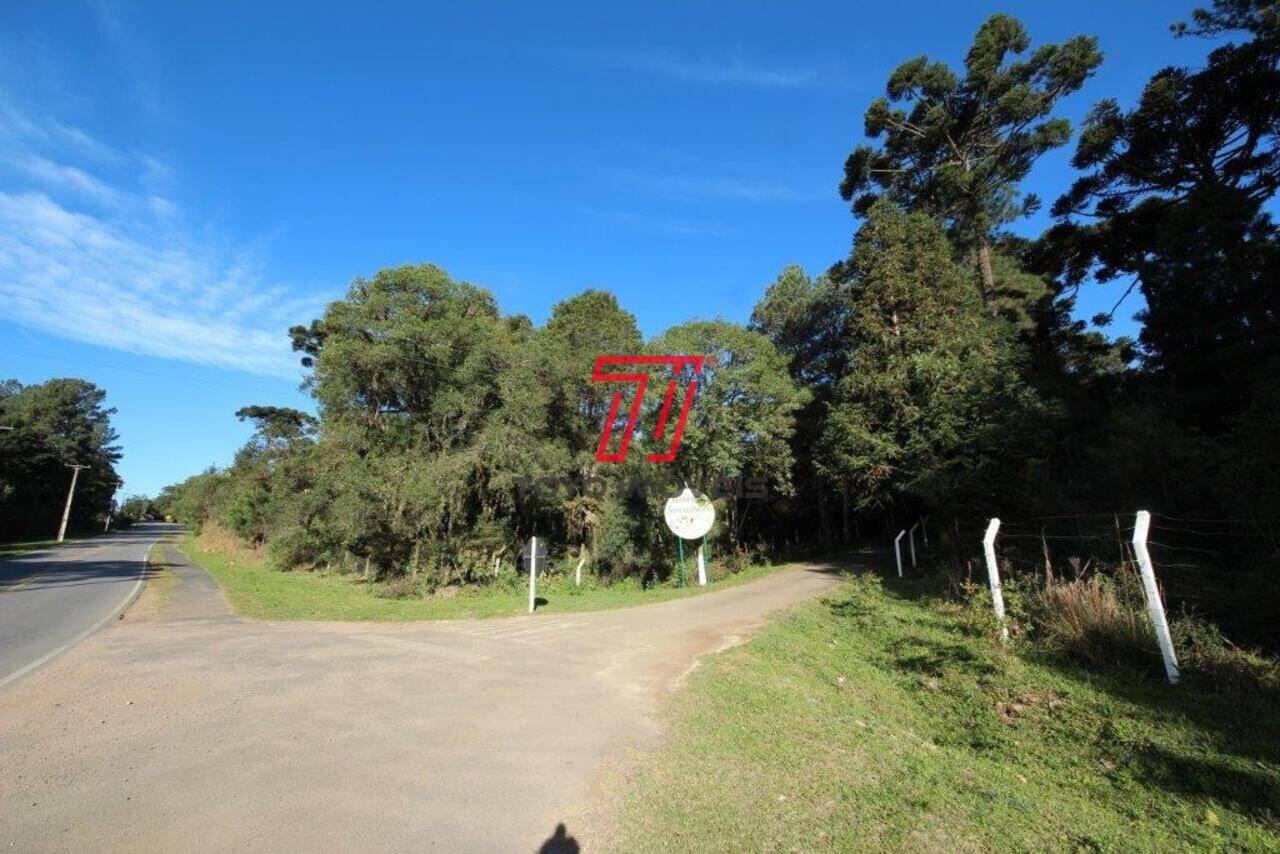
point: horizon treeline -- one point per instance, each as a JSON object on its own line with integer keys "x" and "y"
{"x": 937, "y": 368}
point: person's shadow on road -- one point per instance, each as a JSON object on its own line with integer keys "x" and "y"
{"x": 560, "y": 842}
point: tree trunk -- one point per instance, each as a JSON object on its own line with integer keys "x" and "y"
{"x": 824, "y": 517}
{"x": 984, "y": 267}
{"x": 844, "y": 517}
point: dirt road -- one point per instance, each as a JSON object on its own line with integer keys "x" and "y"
{"x": 183, "y": 727}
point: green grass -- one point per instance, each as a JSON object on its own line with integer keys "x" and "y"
{"x": 9, "y": 549}
{"x": 259, "y": 591}
{"x": 160, "y": 581}
{"x": 874, "y": 720}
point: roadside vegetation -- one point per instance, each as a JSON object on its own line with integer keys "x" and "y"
{"x": 8, "y": 549}
{"x": 160, "y": 582}
{"x": 889, "y": 717}
{"x": 48, "y": 427}
{"x": 258, "y": 590}
{"x": 937, "y": 368}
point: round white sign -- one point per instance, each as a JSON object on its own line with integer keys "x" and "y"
{"x": 689, "y": 516}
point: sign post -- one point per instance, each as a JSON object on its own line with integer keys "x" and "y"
{"x": 690, "y": 517}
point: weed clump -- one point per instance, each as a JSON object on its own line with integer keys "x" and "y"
{"x": 1212, "y": 661}
{"x": 1089, "y": 621}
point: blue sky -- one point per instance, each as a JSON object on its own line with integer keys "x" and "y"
{"x": 180, "y": 182}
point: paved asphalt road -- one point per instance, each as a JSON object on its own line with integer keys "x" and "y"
{"x": 53, "y": 598}
{"x": 185, "y": 728}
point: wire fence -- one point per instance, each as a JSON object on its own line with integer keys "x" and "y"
{"x": 1224, "y": 570}
{"x": 1221, "y": 570}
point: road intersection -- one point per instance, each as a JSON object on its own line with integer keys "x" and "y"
{"x": 183, "y": 727}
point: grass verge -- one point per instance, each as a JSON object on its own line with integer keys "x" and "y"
{"x": 257, "y": 590}
{"x": 874, "y": 720}
{"x": 10, "y": 549}
{"x": 160, "y": 581}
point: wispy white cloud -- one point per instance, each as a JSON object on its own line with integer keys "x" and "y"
{"x": 731, "y": 71}
{"x": 19, "y": 131}
{"x": 687, "y": 187}
{"x": 70, "y": 178}
{"x": 96, "y": 252}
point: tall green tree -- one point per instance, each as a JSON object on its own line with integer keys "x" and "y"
{"x": 958, "y": 146}
{"x": 1173, "y": 201}
{"x": 55, "y": 424}
{"x": 408, "y": 371}
{"x": 744, "y": 414}
{"x": 807, "y": 321}
{"x": 805, "y": 318}
{"x": 581, "y": 329}
{"x": 933, "y": 411}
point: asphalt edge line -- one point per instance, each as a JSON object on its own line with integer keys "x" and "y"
{"x": 113, "y": 615}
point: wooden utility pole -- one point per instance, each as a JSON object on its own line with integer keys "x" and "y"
{"x": 66, "y": 513}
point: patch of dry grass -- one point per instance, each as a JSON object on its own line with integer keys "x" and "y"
{"x": 1090, "y": 621}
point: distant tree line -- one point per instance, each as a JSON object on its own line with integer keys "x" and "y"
{"x": 54, "y": 425}
{"x": 938, "y": 368}
{"x": 136, "y": 508}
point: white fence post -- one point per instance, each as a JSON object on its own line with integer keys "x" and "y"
{"x": 533, "y": 573}
{"x": 1141, "y": 527}
{"x": 897, "y": 550}
{"x": 993, "y": 575}
{"x": 911, "y": 538}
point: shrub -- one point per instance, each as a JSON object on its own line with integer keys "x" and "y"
{"x": 294, "y": 548}
{"x": 400, "y": 587}
{"x": 1207, "y": 657}
{"x": 1085, "y": 620}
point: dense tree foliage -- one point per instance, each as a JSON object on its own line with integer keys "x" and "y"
{"x": 135, "y": 508}
{"x": 934, "y": 404}
{"x": 447, "y": 433}
{"x": 1172, "y": 200}
{"x": 55, "y": 424}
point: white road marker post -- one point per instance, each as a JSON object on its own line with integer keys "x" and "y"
{"x": 1141, "y": 527}
{"x": 577, "y": 573}
{"x": 897, "y": 550}
{"x": 993, "y": 575}
{"x": 533, "y": 572}
{"x": 911, "y": 537}
{"x": 702, "y": 565}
